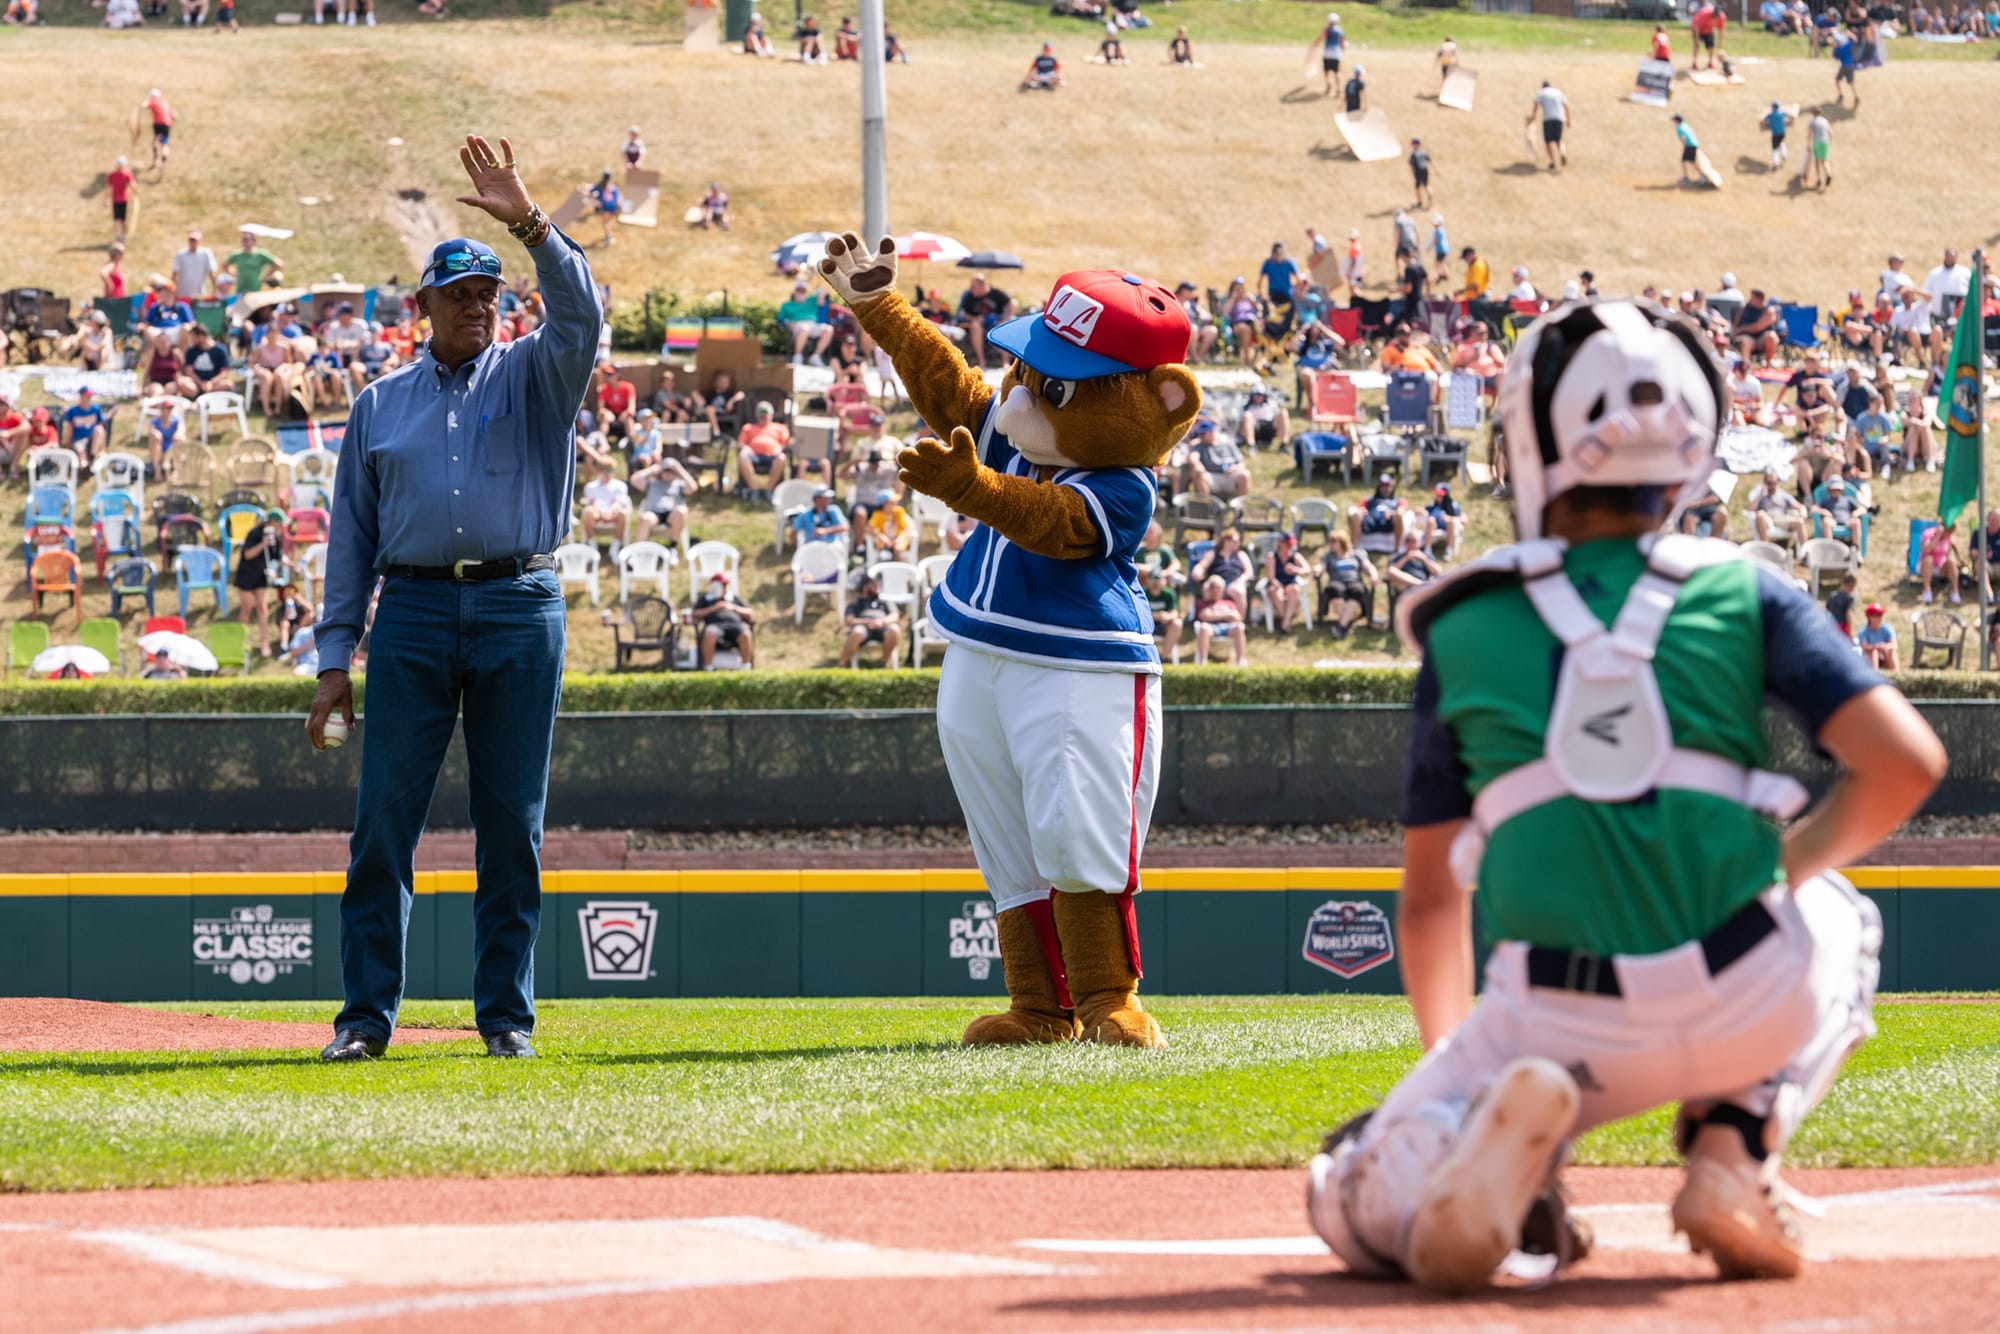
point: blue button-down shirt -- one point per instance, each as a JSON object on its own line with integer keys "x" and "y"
{"x": 440, "y": 466}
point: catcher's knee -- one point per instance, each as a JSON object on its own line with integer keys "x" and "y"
{"x": 1364, "y": 1186}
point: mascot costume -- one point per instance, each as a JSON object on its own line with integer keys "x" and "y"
{"x": 1048, "y": 709}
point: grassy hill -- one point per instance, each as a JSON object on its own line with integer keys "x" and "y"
{"x": 1172, "y": 172}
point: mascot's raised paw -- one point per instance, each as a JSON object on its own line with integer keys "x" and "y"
{"x": 941, "y": 470}
{"x": 859, "y": 276}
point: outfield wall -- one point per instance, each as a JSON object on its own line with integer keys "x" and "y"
{"x": 221, "y": 936}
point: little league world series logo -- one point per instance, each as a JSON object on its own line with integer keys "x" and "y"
{"x": 1349, "y": 938}
{"x": 253, "y": 944}
{"x": 975, "y": 938}
{"x": 617, "y": 940}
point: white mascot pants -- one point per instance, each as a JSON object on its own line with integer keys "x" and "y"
{"x": 1766, "y": 1036}
{"x": 1055, "y": 769}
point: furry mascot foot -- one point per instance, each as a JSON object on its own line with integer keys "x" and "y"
{"x": 1100, "y": 950}
{"x": 1039, "y": 1001}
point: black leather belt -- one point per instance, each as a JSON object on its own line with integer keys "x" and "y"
{"x": 474, "y": 571}
{"x": 1593, "y": 974}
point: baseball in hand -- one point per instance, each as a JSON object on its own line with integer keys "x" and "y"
{"x": 335, "y": 734}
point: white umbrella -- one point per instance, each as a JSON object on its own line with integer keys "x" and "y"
{"x": 70, "y": 655}
{"x": 796, "y": 252}
{"x": 927, "y": 246}
{"x": 189, "y": 653}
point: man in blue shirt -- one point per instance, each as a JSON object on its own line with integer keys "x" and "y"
{"x": 824, "y": 522}
{"x": 86, "y": 426}
{"x": 168, "y": 314}
{"x": 454, "y": 485}
{"x": 1280, "y": 273}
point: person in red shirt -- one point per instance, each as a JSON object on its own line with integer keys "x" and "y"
{"x": 13, "y": 437}
{"x": 112, "y": 275}
{"x": 1708, "y": 23}
{"x": 41, "y": 430}
{"x": 617, "y": 400}
{"x": 118, "y": 182}
{"x": 1662, "y": 48}
{"x": 402, "y": 339}
{"x": 162, "y": 113}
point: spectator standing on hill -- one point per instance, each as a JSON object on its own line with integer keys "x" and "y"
{"x": 162, "y": 113}
{"x": 1278, "y": 275}
{"x": 454, "y": 484}
{"x": 118, "y": 184}
{"x": 1777, "y": 122}
{"x": 1447, "y": 59}
{"x": 1707, "y": 24}
{"x": 1818, "y": 172}
{"x": 633, "y": 150}
{"x": 1420, "y": 173}
{"x": 194, "y": 269}
{"x": 1846, "y": 54}
{"x": 252, "y": 264}
{"x": 1332, "y": 44}
{"x": 1478, "y": 275}
{"x": 1690, "y": 152}
{"x": 1552, "y": 108}
{"x": 1355, "y": 265}
{"x": 1663, "y": 47}
{"x": 606, "y": 202}
{"x": 724, "y": 622}
{"x": 1355, "y": 92}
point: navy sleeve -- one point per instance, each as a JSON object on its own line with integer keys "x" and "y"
{"x": 1809, "y": 666}
{"x": 1434, "y": 787}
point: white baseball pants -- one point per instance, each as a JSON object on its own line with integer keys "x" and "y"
{"x": 1055, "y": 770}
{"x": 1768, "y": 1036}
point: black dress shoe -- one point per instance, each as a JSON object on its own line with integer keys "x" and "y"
{"x": 513, "y": 1042}
{"x": 353, "y": 1044}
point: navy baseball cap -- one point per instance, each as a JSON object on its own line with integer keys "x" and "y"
{"x": 460, "y": 258}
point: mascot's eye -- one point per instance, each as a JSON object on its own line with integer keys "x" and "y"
{"x": 1059, "y": 392}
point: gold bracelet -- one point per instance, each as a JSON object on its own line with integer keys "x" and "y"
{"x": 534, "y": 231}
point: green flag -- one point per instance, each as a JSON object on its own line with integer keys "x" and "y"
{"x": 1962, "y": 404}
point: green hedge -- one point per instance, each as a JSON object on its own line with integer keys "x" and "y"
{"x": 681, "y": 691}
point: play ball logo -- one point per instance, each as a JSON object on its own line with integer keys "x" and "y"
{"x": 253, "y": 945}
{"x": 975, "y": 938}
{"x": 618, "y": 940}
{"x": 1073, "y": 315}
{"x": 1347, "y": 938}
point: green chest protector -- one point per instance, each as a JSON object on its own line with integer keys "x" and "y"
{"x": 1609, "y": 739}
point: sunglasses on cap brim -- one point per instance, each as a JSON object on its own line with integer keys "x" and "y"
{"x": 465, "y": 261}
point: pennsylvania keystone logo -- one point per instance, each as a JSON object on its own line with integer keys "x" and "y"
{"x": 1349, "y": 938}
{"x": 975, "y": 938}
{"x": 617, "y": 940}
{"x": 253, "y": 944}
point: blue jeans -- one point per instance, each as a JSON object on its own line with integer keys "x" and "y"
{"x": 495, "y": 649}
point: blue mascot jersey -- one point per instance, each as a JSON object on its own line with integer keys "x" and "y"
{"x": 1085, "y": 615}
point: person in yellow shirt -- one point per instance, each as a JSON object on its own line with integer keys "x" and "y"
{"x": 890, "y": 531}
{"x": 1477, "y": 276}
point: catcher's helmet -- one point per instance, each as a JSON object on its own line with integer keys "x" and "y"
{"x": 1608, "y": 393}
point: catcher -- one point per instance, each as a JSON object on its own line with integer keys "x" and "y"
{"x": 1680, "y": 949}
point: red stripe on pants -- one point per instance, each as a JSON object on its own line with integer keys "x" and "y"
{"x": 1138, "y": 767}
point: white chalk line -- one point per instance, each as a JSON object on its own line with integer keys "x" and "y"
{"x": 210, "y": 1264}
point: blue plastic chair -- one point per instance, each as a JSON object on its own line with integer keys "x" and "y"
{"x": 1310, "y": 447}
{"x": 1918, "y": 528}
{"x": 51, "y": 504}
{"x": 1407, "y": 403}
{"x": 1800, "y": 326}
{"x": 132, "y": 579}
{"x": 1845, "y": 532}
{"x": 198, "y": 568}
{"x": 1196, "y": 550}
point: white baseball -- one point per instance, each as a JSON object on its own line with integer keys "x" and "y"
{"x": 336, "y": 733}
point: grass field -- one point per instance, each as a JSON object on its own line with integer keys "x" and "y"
{"x": 1165, "y": 171}
{"x": 733, "y": 1086}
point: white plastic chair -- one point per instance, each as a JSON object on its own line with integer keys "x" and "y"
{"x": 576, "y": 563}
{"x": 149, "y": 407}
{"x": 789, "y": 499}
{"x": 54, "y": 465}
{"x": 935, "y": 568}
{"x": 643, "y": 561}
{"x": 1825, "y": 556}
{"x": 924, "y": 635}
{"x": 221, "y": 403}
{"x": 1771, "y": 554}
{"x": 311, "y": 566}
{"x": 122, "y": 472}
{"x": 619, "y": 528}
{"x": 1314, "y": 512}
{"x": 902, "y": 584}
{"x": 705, "y": 559}
{"x": 928, "y": 511}
{"x": 817, "y": 567}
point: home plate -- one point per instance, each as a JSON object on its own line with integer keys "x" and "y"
{"x": 692, "y": 1252}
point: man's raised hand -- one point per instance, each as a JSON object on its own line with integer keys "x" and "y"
{"x": 497, "y": 188}
{"x": 857, "y": 275}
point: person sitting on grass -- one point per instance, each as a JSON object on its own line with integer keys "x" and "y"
{"x": 723, "y": 622}
{"x": 846, "y": 40}
{"x": 1181, "y": 51}
{"x": 1227, "y": 561}
{"x": 1044, "y": 72}
{"x": 1877, "y": 641}
{"x": 1346, "y": 585}
{"x": 1216, "y": 613}
{"x": 757, "y": 42}
{"x": 663, "y": 486}
{"x": 1161, "y": 576}
{"x": 869, "y": 620}
{"x": 812, "y": 48}
{"x": 1111, "y": 51}
{"x": 762, "y": 461}
{"x": 1936, "y": 557}
{"x": 715, "y": 204}
{"x": 1284, "y": 571}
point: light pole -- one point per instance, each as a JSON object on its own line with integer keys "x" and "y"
{"x": 874, "y": 128}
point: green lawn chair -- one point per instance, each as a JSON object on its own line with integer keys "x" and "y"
{"x": 229, "y": 641}
{"x": 101, "y": 633}
{"x": 25, "y": 639}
